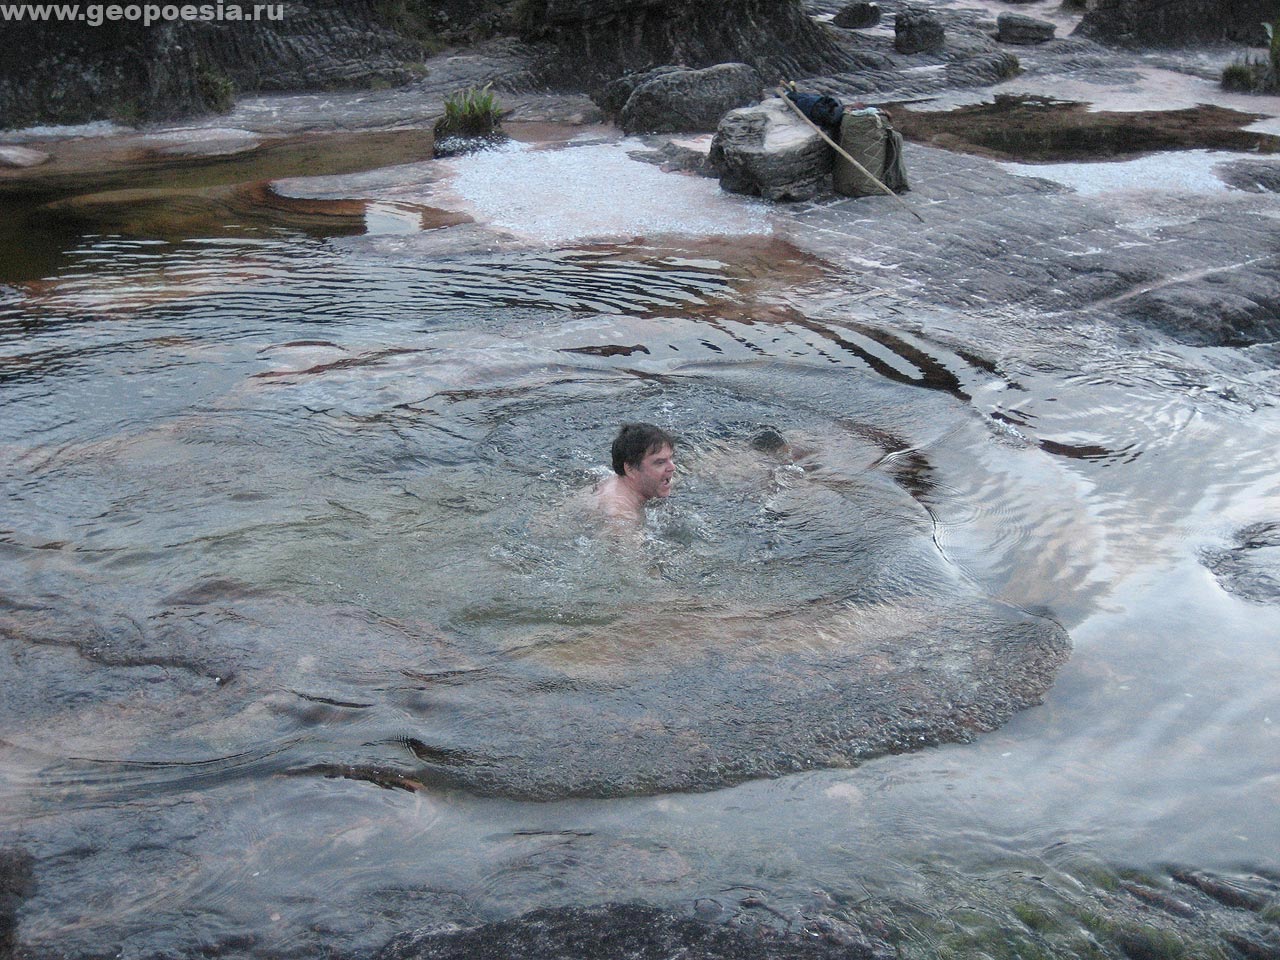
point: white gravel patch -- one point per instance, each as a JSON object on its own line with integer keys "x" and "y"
{"x": 595, "y": 191}
{"x": 1186, "y": 171}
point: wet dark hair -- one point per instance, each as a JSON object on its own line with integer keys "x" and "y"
{"x": 635, "y": 441}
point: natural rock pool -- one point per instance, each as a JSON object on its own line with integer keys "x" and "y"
{"x": 306, "y": 645}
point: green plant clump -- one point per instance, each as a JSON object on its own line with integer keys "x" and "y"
{"x": 1255, "y": 75}
{"x": 215, "y": 88}
{"x": 470, "y": 113}
{"x": 1240, "y": 76}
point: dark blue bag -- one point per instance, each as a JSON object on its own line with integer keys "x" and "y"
{"x": 823, "y": 110}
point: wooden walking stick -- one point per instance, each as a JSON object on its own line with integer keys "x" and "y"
{"x": 840, "y": 150}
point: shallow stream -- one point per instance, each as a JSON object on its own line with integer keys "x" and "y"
{"x": 293, "y": 578}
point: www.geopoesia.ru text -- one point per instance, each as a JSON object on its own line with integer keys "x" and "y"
{"x": 96, "y": 14}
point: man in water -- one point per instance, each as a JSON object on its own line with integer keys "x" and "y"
{"x": 644, "y": 465}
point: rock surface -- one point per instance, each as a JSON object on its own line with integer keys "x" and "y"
{"x": 1251, "y": 568}
{"x": 613, "y": 96}
{"x": 1181, "y": 279}
{"x": 983, "y": 70}
{"x": 767, "y": 151}
{"x": 676, "y": 101}
{"x": 15, "y": 885}
{"x": 22, "y": 157}
{"x": 915, "y": 31}
{"x": 1175, "y": 22}
{"x": 618, "y": 931}
{"x": 1019, "y": 28}
{"x": 80, "y": 72}
{"x": 1255, "y": 176}
{"x": 857, "y": 16}
{"x": 591, "y": 42}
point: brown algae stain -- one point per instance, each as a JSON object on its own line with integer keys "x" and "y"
{"x": 1020, "y": 127}
{"x": 178, "y": 214}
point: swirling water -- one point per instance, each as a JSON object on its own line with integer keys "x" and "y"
{"x": 270, "y": 503}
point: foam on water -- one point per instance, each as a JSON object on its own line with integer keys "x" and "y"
{"x": 596, "y": 191}
{"x": 1190, "y": 171}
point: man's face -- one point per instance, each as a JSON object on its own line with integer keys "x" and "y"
{"x": 652, "y": 478}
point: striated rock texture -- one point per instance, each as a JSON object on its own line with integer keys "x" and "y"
{"x": 857, "y": 16}
{"x": 594, "y": 41}
{"x": 72, "y": 72}
{"x": 1174, "y": 22}
{"x": 686, "y": 100}
{"x": 1017, "y": 28}
{"x": 618, "y": 930}
{"x": 915, "y": 31}
{"x": 767, "y": 151}
{"x": 1251, "y": 567}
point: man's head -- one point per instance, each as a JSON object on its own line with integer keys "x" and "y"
{"x": 644, "y": 456}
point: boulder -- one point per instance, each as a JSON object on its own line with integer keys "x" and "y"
{"x": 983, "y": 70}
{"x": 684, "y": 100}
{"x": 1019, "y": 28}
{"x": 858, "y": 15}
{"x": 768, "y": 151}
{"x": 613, "y": 96}
{"x": 915, "y": 31}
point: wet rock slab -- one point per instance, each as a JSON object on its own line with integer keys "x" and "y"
{"x": 632, "y": 685}
{"x": 732, "y": 708}
{"x": 21, "y": 157}
{"x": 1078, "y": 256}
{"x": 1254, "y": 176}
{"x": 634, "y": 931}
{"x": 203, "y": 143}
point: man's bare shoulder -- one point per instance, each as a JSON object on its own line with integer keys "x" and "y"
{"x": 607, "y": 500}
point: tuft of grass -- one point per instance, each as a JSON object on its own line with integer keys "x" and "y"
{"x": 1240, "y": 76}
{"x": 470, "y": 113}
{"x": 1254, "y": 75}
{"x": 215, "y": 88}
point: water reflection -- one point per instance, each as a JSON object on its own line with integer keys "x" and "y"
{"x": 255, "y": 567}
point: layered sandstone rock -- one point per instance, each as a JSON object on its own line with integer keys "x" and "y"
{"x": 1174, "y": 22}
{"x": 71, "y": 72}
{"x": 1020, "y": 29}
{"x": 591, "y": 42}
{"x": 767, "y": 151}
{"x": 671, "y": 101}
